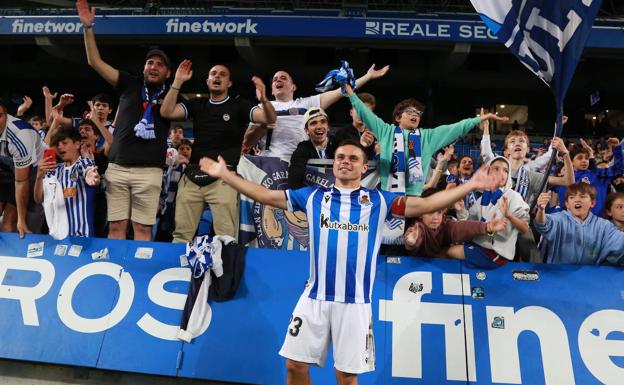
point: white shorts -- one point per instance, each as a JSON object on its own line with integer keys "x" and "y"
{"x": 314, "y": 323}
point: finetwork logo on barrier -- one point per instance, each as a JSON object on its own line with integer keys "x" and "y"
{"x": 20, "y": 26}
{"x": 174, "y": 25}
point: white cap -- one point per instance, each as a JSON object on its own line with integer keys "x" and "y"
{"x": 313, "y": 113}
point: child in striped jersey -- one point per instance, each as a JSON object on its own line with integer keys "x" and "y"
{"x": 68, "y": 186}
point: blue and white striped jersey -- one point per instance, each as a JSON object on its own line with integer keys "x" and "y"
{"x": 79, "y": 196}
{"x": 20, "y": 144}
{"x": 345, "y": 227}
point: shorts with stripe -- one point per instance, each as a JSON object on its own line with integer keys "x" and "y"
{"x": 316, "y": 323}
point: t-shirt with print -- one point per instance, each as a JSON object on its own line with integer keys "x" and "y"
{"x": 288, "y": 131}
{"x": 218, "y": 127}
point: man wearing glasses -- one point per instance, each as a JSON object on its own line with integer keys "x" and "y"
{"x": 406, "y": 149}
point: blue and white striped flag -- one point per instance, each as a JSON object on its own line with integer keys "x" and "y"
{"x": 547, "y": 36}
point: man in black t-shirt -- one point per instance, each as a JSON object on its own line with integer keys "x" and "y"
{"x": 219, "y": 125}
{"x": 137, "y": 155}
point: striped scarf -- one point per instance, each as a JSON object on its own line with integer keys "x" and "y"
{"x": 398, "y": 169}
{"x": 144, "y": 129}
{"x": 522, "y": 183}
{"x": 469, "y": 199}
{"x": 488, "y": 203}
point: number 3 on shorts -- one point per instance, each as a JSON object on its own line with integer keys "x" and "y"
{"x": 297, "y": 322}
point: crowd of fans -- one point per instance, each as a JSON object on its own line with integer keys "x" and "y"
{"x": 90, "y": 176}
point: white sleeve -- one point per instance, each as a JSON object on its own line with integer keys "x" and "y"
{"x": 25, "y": 148}
{"x": 539, "y": 164}
{"x": 310, "y": 101}
{"x": 486, "y": 148}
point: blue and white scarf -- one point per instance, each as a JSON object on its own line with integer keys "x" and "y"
{"x": 399, "y": 173}
{"x": 522, "y": 183}
{"x": 337, "y": 78}
{"x": 145, "y": 128}
{"x": 198, "y": 254}
{"x": 488, "y": 203}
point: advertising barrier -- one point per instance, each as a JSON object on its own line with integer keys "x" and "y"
{"x": 421, "y": 27}
{"x": 117, "y": 305}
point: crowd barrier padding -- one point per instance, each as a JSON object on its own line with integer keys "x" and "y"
{"x": 435, "y": 321}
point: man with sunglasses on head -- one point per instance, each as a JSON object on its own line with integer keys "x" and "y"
{"x": 405, "y": 148}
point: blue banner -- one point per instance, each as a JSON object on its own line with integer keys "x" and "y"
{"x": 430, "y": 27}
{"x": 117, "y": 305}
{"x": 266, "y": 226}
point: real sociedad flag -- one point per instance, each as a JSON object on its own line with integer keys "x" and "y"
{"x": 547, "y": 36}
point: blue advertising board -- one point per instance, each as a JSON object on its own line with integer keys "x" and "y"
{"x": 423, "y": 27}
{"x": 435, "y": 321}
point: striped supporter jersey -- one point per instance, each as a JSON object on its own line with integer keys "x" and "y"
{"x": 345, "y": 227}
{"x": 79, "y": 196}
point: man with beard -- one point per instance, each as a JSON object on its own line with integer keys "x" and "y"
{"x": 138, "y": 153}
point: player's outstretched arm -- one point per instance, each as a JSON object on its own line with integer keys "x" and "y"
{"x": 259, "y": 193}
{"x": 416, "y": 206}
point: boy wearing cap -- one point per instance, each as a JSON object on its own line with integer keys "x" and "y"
{"x": 319, "y": 146}
{"x": 138, "y": 153}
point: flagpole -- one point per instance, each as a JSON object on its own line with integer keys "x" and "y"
{"x": 553, "y": 157}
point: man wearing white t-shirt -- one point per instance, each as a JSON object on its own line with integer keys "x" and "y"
{"x": 282, "y": 139}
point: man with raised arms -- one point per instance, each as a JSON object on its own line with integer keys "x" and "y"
{"x": 336, "y": 303}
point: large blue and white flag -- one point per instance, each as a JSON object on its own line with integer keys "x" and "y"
{"x": 547, "y": 36}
